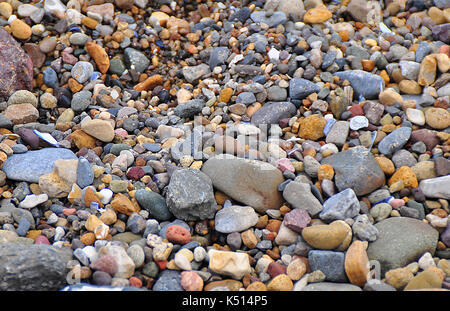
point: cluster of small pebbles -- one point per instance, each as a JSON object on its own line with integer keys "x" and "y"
{"x": 277, "y": 145}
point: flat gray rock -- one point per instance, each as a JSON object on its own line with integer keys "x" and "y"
{"x": 31, "y": 165}
{"x": 300, "y": 88}
{"x": 251, "y": 182}
{"x": 235, "y": 219}
{"x": 401, "y": 240}
{"x": 394, "y": 141}
{"x": 438, "y": 187}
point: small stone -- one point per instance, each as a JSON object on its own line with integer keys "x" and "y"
{"x": 333, "y": 236}
{"x": 280, "y": 283}
{"x": 357, "y": 263}
{"x": 399, "y": 277}
{"x": 232, "y": 264}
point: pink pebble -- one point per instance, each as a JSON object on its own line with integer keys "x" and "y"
{"x": 285, "y": 165}
{"x": 121, "y": 132}
{"x": 41, "y": 239}
{"x": 191, "y": 281}
{"x": 445, "y": 49}
{"x": 69, "y": 211}
{"x": 397, "y": 203}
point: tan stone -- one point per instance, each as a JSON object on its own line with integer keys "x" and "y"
{"x": 357, "y": 263}
{"x": 109, "y": 216}
{"x": 58, "y": 183}
{"x": 280, "y": 283}
{"x": 386, "y": 165}
{"x": 81, "y": 139}
{"x": 249, "y": 238}
{"x": 437, "y": 118}
{"x": 232, "y": 264}
{"x": 123, "y": 205}
{"x": 232, "y": 285}
{"x": 20, "y": 29}
{"x": 336, "y": 235}
{"x": 100, "y": 129}
{"x": 257, "y": 286}
{"x": 125, "y": 265}
{"x": 399, "y": 278}
{"x": 21, "y": 113}
{"x": 92, "y": 223}
{"x": 317, "y": 15}
{"x": 389, "y": 97}
{"x": 296, "y": 269}
{"x": 425, "y": 279}
{"x": 410, "y": 87}
{"x": 427, "y": 72}
{"x": 312, "y": 127}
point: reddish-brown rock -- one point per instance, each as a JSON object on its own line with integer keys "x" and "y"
{"x": 178, "y": 234}
{"x": 16, "y": 70}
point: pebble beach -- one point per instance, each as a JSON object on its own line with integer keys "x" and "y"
{"x": 192, "y": 145}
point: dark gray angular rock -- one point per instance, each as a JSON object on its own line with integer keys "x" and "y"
{"x": 332, "y": 264}
{"x": 190, "y": 108}
{"x": 218, "y": 56}
{"x": 356, "y": 168}
{"x": 190, "y": 195}
{"x": 340, "y": 206}
{"x": 300, "y": 88}
{"x": 193, "y": 73}
{"x": 401, "y": 240}
{"x": 394, "y": 141}
{"x": 273, "y": 112}
{"x": 31, "y": 165}
{"x": 33, "y": 267}
{"x": 363, "y": 83}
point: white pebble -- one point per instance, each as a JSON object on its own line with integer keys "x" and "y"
{"x": 426, "y": 261}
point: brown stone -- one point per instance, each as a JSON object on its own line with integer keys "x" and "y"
{"x": 150, "y": 83}
{"x": 90, "y": 196}
{"x": 21, "y": 113}
{"x": 123, "y": 205}
{"x": 406, "y": 174}
{"x": 232, "y": 285}
{"x": 20, "y": 29}
{"x": 357, "y": 263}
{"x": 280, "y": 283}
{"x": 317, "y": 15}
{"x": 82, "y": 140}
{"x": 99, "y": 55}
{"x": 312, "y": 127}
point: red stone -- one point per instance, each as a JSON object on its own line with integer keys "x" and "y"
{"x": 275, "y": 269}
{"x": 135, "y": 282}
{"x": 41, "y": 239}
{"x": 356, "y": 110}
{"x": 135, "y": 173}
{"x": 69, "y": 211}
{"x": 105, "y": 263}
{"x": 297, "y": 219}
{"x": 178, "y": 234}
{"x": 162, "y": 264}
{"x": 16, "y": 69}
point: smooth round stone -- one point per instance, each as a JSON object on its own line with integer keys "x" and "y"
{"x": 358, "y": 122}
{"x": 235, "y": 219}
{"x": 82, "y": 71}
{"x": 401, "y": 240}
{"x": 154, "y": 203}
{"x": 394, "y": 141}
{"x": 416, "y": 116}
{"x": 79, "y": 38}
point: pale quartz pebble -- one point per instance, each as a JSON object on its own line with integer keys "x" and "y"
{"x": 107, "y": 195}
{"x": 426, "y": 261}
{"x": 33, "y": 200}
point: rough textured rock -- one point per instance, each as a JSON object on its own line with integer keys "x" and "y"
{"x": 190, "y": 195}
{"x": 232, "y": 264}
{"x": 273, "y": 112}
{"x": 33, "y": 267}
{"x": 16, "y": 72}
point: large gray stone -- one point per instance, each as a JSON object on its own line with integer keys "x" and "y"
{"x": 330, "y": 263}
{"x": 363, "y": 83}
{"x": 273, "y": 112}
{"x": 31, "y": 165}
{"x": 135, "y": 58}
{"x": 154, "y": 203}
{"x": 401, "y": 240}
{"x": 33, "y": 267}
{"x": 300, "y": 88}
{"x": 356, "y": 168}
{"x": 190, "y": 195}
{"x": 254, "y": 183}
